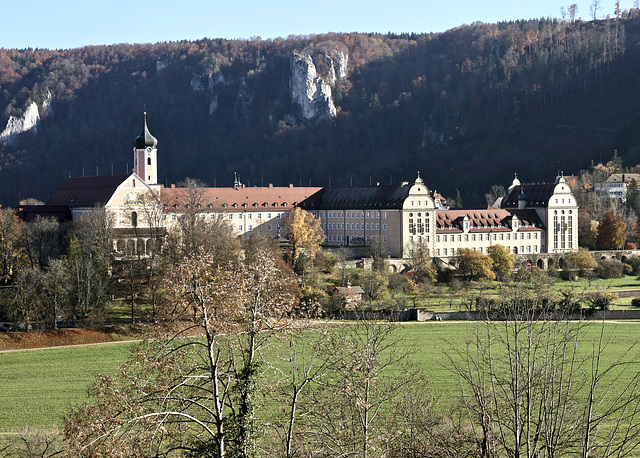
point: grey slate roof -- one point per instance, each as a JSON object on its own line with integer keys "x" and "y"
{"x": 86, "y": 191}
{"x": 361, "y": 197}
{"x": 537, "y": 195}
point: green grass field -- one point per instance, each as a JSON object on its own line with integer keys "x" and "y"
{"x": 38, "y": 386}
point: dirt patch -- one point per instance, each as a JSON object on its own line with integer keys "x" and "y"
{"x": 79, "y": 336}
{"x": 52, "y": 338}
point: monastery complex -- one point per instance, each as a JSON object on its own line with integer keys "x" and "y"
{"x": 529, "y": 219}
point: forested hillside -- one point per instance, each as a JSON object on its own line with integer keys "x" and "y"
{"x": 467, "y": 108}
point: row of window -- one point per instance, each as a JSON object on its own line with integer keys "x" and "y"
{"x": 231, "y": 217}
{"x": 353, "y": 226}
{"x": 523, "y": 249}
{"x": 258, "y": 216}
{"x": 487, "y": 237}
{"x": 352, "y": 215}
{"x": 356, "y": 239}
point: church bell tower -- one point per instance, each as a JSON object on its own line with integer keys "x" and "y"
{"x": 145, "y": 156}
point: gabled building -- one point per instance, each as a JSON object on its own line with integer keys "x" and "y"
{"x": 398, "y": 217}
{"x": 521, "y": 231}
{"x": 617, "y": 185}
{"x": 555, "y": 207}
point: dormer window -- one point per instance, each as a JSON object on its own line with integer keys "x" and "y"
{"x": 235, "y": 205}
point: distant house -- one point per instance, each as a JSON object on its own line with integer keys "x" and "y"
{"x": 616, "y": 185}
{"x": 348, "y": 296}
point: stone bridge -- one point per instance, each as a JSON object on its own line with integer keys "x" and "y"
{"x": 541, "y": 260}
{"x": 557, "y": 260}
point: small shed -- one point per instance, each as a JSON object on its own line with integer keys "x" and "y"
{"x": 349, "y": 296}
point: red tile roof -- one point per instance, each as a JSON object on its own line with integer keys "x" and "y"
{"x": 481, "y": 220}
{"x": 218, "y": 199}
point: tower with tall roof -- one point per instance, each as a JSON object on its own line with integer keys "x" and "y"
{"x": 145, "y": 155}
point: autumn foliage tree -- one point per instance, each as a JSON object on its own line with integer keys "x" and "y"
{"x": 502, "y": 260}
{"x": 474, "y": 264}
{"x": 583, "y": 261}
{"x": 305, "y": 235}
{"x": 612, "y": 231}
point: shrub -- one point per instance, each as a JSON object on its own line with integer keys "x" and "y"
{"x": 399, "y": 283}
{"x": 532, "y": 275}
{"x": 635, "y": 302}
{"x": 627, "y": 269}
{"x": 602, "y": 300}
{"x": 630, "y": 246}
{"x": 326, "y": 261}
{"x": 634, "y": 262}
{"x": 609, "y": 268}
{"x": 568, "y": 275}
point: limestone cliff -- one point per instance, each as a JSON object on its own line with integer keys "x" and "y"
{"x": 310, "y": 93}
{"x": 16, "y": 125}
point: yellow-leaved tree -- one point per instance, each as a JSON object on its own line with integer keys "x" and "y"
{"x": 305, "y": 236}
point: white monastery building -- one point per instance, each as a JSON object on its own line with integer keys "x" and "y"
{"x": 530, "y": 219}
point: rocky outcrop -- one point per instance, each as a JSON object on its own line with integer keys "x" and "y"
{"x": 336, "y": 65}
{"x": 341, "y": 60}
{"x": 196, "y": 84}
{"x": 16, "y": 125}
{"x": 213, "y": 104}
{"x": 161, "y": 65}
{"x": 214, "y": 80}
{"x": 308, "y": 91}
{"x": 244, "y": 101}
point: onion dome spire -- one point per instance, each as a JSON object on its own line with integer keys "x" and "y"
{"x": 145, "y": 138}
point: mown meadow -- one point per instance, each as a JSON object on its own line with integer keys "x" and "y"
{"x": 38, "y": 386}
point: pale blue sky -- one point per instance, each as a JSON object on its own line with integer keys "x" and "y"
{"x": 75, "y": 23}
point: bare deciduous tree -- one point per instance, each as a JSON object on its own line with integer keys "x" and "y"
{"x": 194, "y": 393}
{"x": 530, "y": 389}
{"x": 41, "y": 240}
